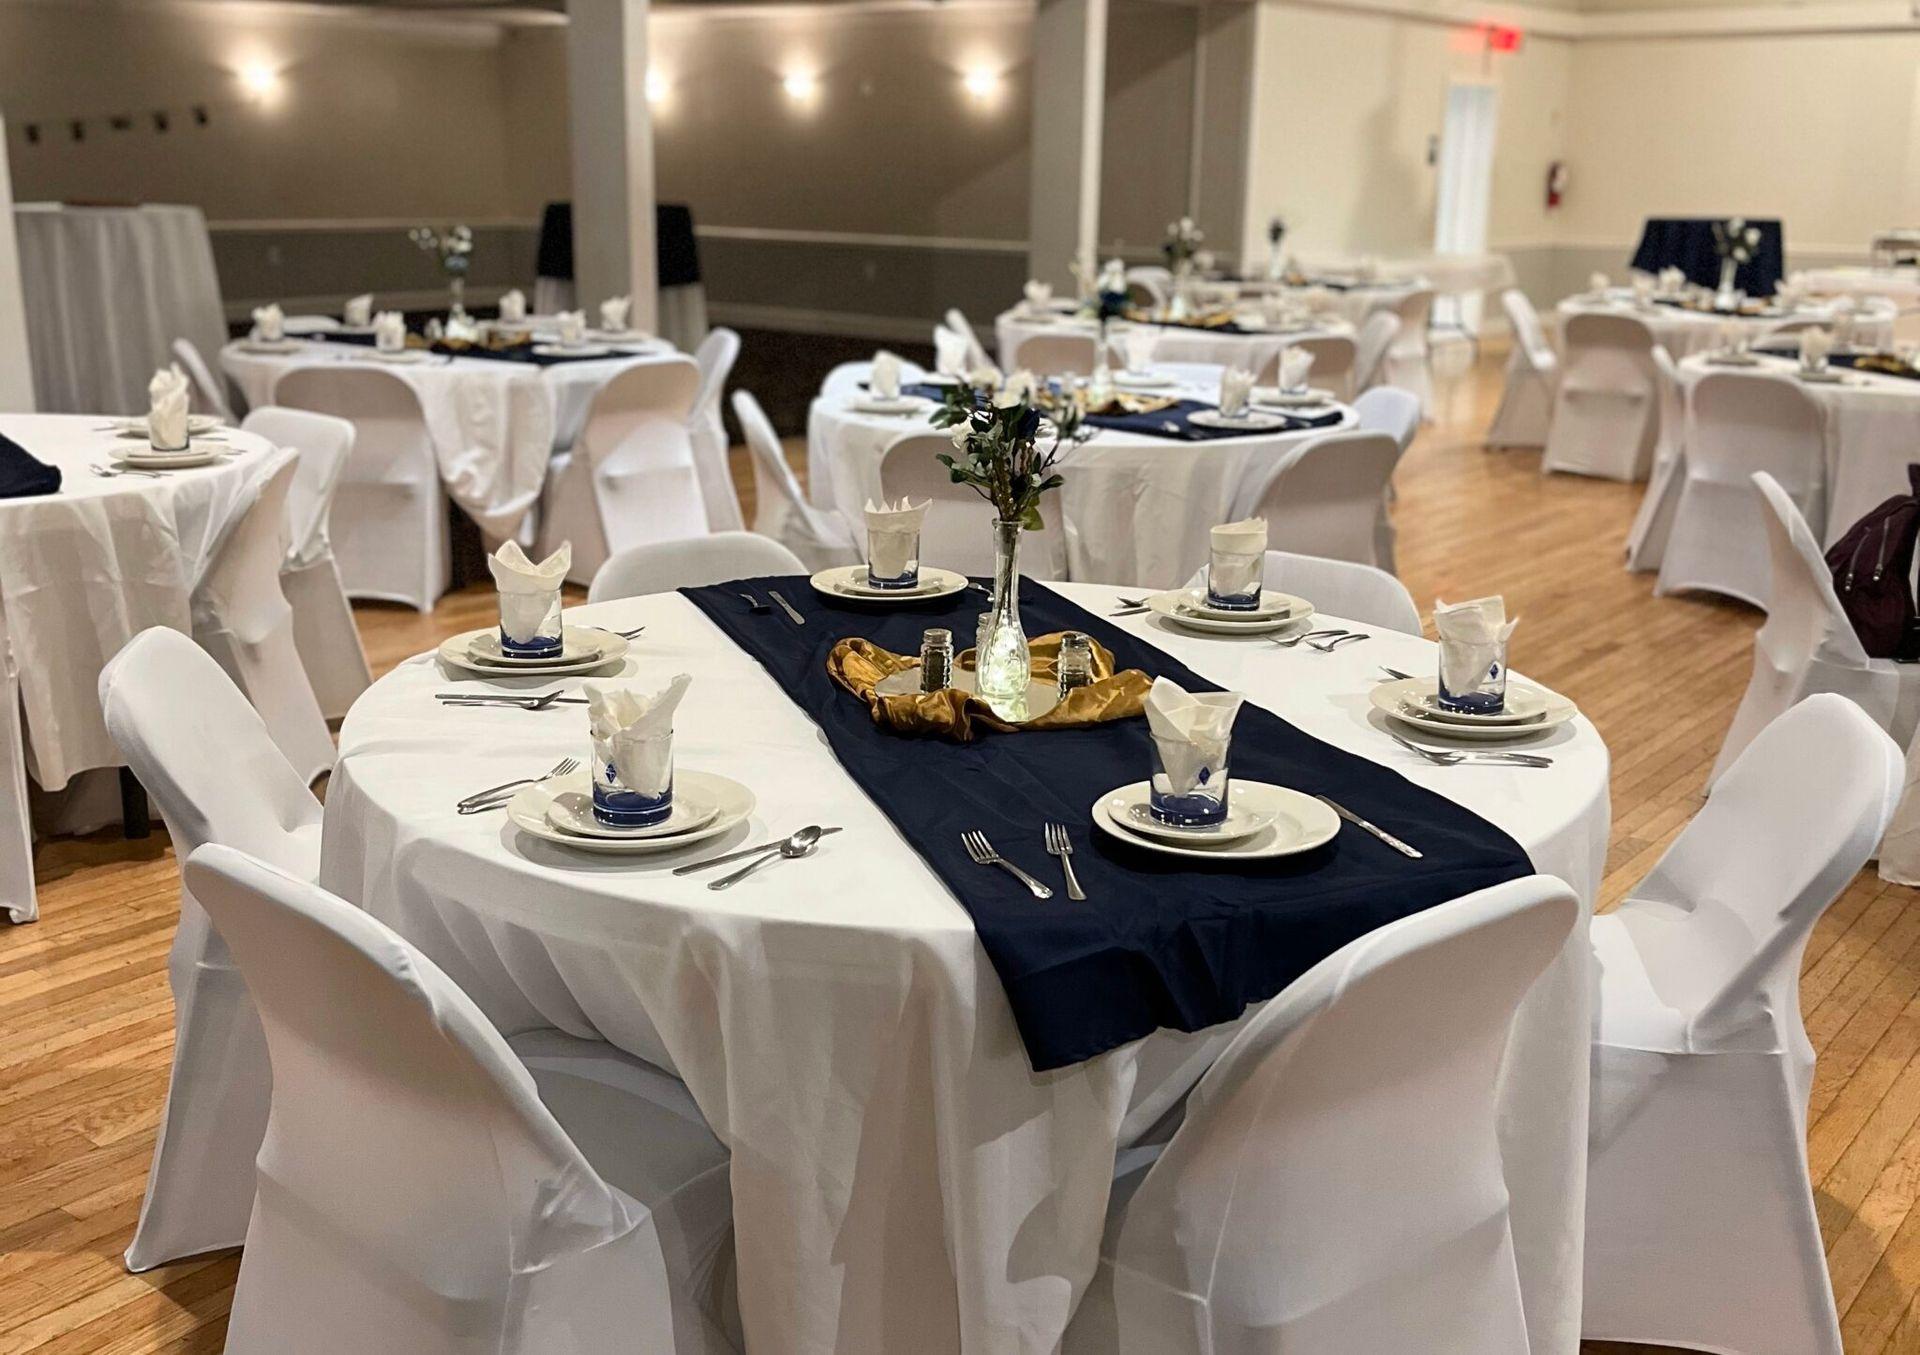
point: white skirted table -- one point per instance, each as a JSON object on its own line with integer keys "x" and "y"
{"x": 1899, "y": 285}
{"x": 1251, "y": 344}
{"x": 83, "y": 571}
{"x": 1684, "y": 332}
{"x": 902, "y": 1178}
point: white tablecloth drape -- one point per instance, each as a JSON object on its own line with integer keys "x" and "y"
{"x": 1900, "y": 285}
{"x": 1137, "y": 508}
{"x": 902, "y": 1180}
{"x": 1684, "y": 333}
{"x": 495, "y": 425}
{"x": 107, "y": 291}
{"x": 1175, "y": 343}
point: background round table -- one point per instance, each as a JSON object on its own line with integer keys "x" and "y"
{"x": 1684, "y": 333}
{"x": 902, "y": 1179}
{"x": 1252, "y": 348}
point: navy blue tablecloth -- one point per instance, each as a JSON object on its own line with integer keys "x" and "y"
{"x": 1160, "y": 942}
{"x": 24, "y": 475}
{"x": 1687, "y": 243}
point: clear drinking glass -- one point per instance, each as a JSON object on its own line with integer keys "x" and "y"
{"x": 1480, "y": 671}
{"x": 619, "y": 804}
{"x": 1235, "y": 579}
{"x": 530, "y": 625}
{"x": 893, "y": 557}
{"x": 1190, "y": 783}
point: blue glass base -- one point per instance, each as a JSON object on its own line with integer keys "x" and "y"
{"x": 1472, "y": 703}
{"x": 1244, "y": 603}
{"x": 910, "y": 579}
{"x": 630, "y": 808}
{"x": 541, "y": 647}
{"x": 1187, "y": 811}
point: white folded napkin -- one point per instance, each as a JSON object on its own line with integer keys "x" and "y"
{"x": 892, "y": 529}
{"x": 1245, "y": 537}
{"x": 389, "y": 331}
{"x": 463, "y": 327}
{"x": 269, "y": 323}
{"x": 358, "y": 312}
{"x": 1471, "y": 634}
{"x": 628, "y": 724}
{"x": 949, "y": 352}
{"x": 1236, "y": 383}
{"x": 1138, "y": 344}
{"x": 1730, "y": 332}
{"x": 167, "y": 409}
{"x": 1039, "y": 294}
{"x": 513, "y": 307}
{"x": 1642, "y": 288}
{"x": 1192, "y": 730}
{"x": 1296, "y": 364}
{"x": 613, "y": 314}
{"x": 572, "y": 326}
{"x": 1113, "y": 275}
{"x": 1816, "y": 346}
{"x": 1673, "y": 280}
{"x": 526, "y": 588}
{"x": 883, "y": 382}
{"x": 1598, "y": 283}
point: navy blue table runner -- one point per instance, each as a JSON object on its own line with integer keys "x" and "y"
{"x": 1160, "y": 941}
{"x": 1174, "y": 422}
{"x": 520, "y": 352}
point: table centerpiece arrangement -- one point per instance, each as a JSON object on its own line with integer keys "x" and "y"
{"x": 454, "y": 249}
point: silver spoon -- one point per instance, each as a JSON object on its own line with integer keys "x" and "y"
{"x": 1293, "y": 640}
{"x": 799, "y": 845}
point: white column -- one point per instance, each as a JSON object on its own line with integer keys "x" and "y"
{"x": 16, "y": 371}
{"x": 612, "y": 128}
{"x": 1069, "y": 100}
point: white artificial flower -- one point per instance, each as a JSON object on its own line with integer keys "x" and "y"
{"x": 981, "y": 377}
{"x": 1017, "y": 391}
{"x": 961, "y": 432}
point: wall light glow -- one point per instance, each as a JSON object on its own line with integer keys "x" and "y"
{"x": 981, "y": 83}
{"x": 259, "y": 79}
{"x": 657, "y": 87}
{"x": 801, "y": 86}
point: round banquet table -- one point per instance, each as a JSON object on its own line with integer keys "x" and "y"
{"x": 1684, "y": 333}
{"x": 1351, "y": 301}
{"x": 495, "y": 425}
{"x": 84, "y": 570}
{"x": 1900, "y": 285}
{"x": 1252, "y": 348}
{"x": 1137, "y": 508}
{"x": 902, "y": 1179}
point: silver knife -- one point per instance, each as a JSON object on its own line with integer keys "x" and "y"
{"x": 1366, "y": 827}
{"x": 691, "y": 867}
{"x": 787, "y": 607}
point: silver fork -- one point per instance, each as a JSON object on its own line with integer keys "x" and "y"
{"x": 1444, "y": 757}
{"x": 486, "y": 799}
{"x": 1328, "y": 646}
{"x": 528, "y": 702}
{"x": 983, "y": 854}
{"x": 1293, "y": 640}
{"x": 114, "y": 472}
{"x": 1060, "y": 845}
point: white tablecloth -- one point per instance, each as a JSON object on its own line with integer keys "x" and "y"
{"x": 495, "y": 425}
{"x": 1176, "y": 343}
{"x": 1137, "y": 508}
{"x": 1900, "y": 285}
{"x": 902, "y": 1180}
{"x": 107, "y": 291}
{"x": 1684, "y": 332}
{"x": 1873, "y": 434}
{"x": 1353, "y": 302}
{"x": 85, "y": 570}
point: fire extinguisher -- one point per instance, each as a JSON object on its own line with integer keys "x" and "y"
{"x": 1556, "y": 183}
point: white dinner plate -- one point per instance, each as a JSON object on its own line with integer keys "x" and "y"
{"x": 732, "y": 802}
{"x": 271, "y": 345}
{"x": 900, "y": 404}
{"x": 1830, "y": 377}
{"x": 621, "y": 335}
{"x": 1274, "y": 606}
{"x": 146, "y": 459}
{"x": 1732, "y": 360}
{"x": 606, "y": 647}
{"x": 1241, "y": 821}
{"x": 1300, "y": 823}
{"x": 1175, "y": 606}
{"x": 849, "y": 584}
{"x": 400, "y": 358}
{"x": 198, "y": 425}
{"x": 1142, "y": 381}
{"x": 1394, "y": 699}
{"x": 571, "y": 811}
{"x": 1524, "y": 706}
{"x": 578, "y": 350}
{"x": 1313, "y": 396}
{"x": 1252, "y": 422}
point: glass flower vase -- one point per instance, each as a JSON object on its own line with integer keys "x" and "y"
{"x": 456, "y": 296}
{"x": 1100, "y": 383}
{"x": 1180, "y": 303}
{"x": 1004, "y": 667}
{"x": 1724, "y": 298}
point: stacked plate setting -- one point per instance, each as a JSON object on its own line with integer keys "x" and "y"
{"x": 1263, "y": 821}
{"x": 582, "y": 650}
{"x": 849, "y": 584}
{"x": 1530, "y": 710}
{"x": 705, "y": 805}
{"x": 201, "y": 449}
{"x": 1189, "y": 607}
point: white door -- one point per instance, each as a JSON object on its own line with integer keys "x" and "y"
{"x": 1466, "y": 187}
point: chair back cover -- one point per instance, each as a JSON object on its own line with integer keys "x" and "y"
{"x": 208, "y": 394}
{"x": 1326, "y": 496}
{"x": 956, "y": 320}
{"x": 1609, "y": 348}
{"x": 324, "y": 443}
{"x": 412, "y": 1187}
{"x": 958, "y": 530}
{"x": 1673, "y": 408}
{"x": 1745, "y": 422}
{"x": 240, "y": 588}
{"x": 1376, "y": 336}
{"x": 390, "y": 430}
{"x": 1529, "y": 335}
{"x": 715, "y": 358}
{"x": 1804, "y": 615}
{"x": 636, "y": 439}
{"x": 1334, "y": 356}
{"x": 663, "y": 566}
{"x": 1154, "y": 282}
{"x": 1337, "y": 1186}
{"x": 780, "y": 508}
{"x": 1389, "y": 410}
{"x": 1057, "y": 354}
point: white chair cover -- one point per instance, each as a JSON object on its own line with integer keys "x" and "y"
{"x": 1336, "y": 1186}
{"x": 667, "y": 565}
{"x": 1807, "y": 644}
{"x": 1057, "y": 354}
{"x": 1701, "y": 1229}
{"x": 1376, "y": 336}
{"x": 215, "y": 775}
{"x": 1389, "y": 410}
{"x": 715, "y": 358}
{"x": 323, "y": 628}
{"x": 1606, "y": 410}
{"x": 956, "y": 320}
{"x": 1358, "y": 593}
{"x": 818, "y": 537}
{"x": 414, "y": 1192}
{"x": 1328, "y": 497}
{"x": 1741, "y": 423}
{"x": 1155, "y": 284}
{"x": 1533, "y": 377}
{"x": 1653, "y": 523}
{"x": 209, "y": 396}
{"x": 1408, "y": 363}
{"x": 847, "y": 379}
{"x": 958, "y": 531}
{"x": 389, "y": 521}
{"x": 241, "y": 617}
{"x": 17, "y": 896}
{"x": 1334, "y": 357}
{"x": 630, "y": 476}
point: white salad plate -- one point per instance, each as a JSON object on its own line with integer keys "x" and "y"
{"x": 1402, "y": 701}
{"x": 732, "y": 803}
{"x": 583, "y": 649}
{"x": 571, "y": 811}
{"x": 1297, "y": 823}
{"x": 849, "y": 582}
{"x": 1176, "y": 606}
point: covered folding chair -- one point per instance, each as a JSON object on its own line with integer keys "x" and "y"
{"x": 419, "y": 1188}
{"x": 715, "y": 358}
{"x": 1328, "y": 497}
{"x": 1606, "y": 410}
{"x": 1807, "y": 644}
{"x": 201, "y": 752}
{"x": 1334, "y": 356}
{"x": 1336, "y": 1185}
{"x": 1152, "y": 283}
{"x": 1409, "y": 361}
{"x": 629, "y": 477}
{"x": 1740, "y": 423}
{"x": 1057, "y": 354}
{"x": 1653, "y": 522}
{"x": 1533, "y": 378}
{"x": 1389, "y": 410}
{"x": 956, "y": 320}
{"x": 1701, "y": 1230}
{"x": 958, "y": 530}
{"x": 209, "y": 396}
{"x": 667, "y": 565}
{"x": 389, "y": 519}
{"x": 1352, "y": 592}
{"x": 241, "y": 617}
{"x": 323, "y": 628}
{"x": 819, "y": 537}
{"x": 1376, "y": 336}
{"x": 18, "y": 899}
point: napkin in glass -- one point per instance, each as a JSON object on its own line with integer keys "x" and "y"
{"x": 949, "y": 352}
{"x": 1238, "y": 552}
{"x": 1295, "y": 365}
{"x": 1673, "y": 281}
{"x": 1473, "y": 635}
{"x": 613, "y": 314}
{"x": 1598, "y": 283}
{"x": 1816, "y": 346}
{"x": 22, "y": 474}
{"x": 1039, "y": 294}
{"x": 572, "y": 326}
{"x": 1137, "y": 345}
{"x": 269, "y": 323}
{"x": 167, "y": 401}
{"x": 1236, "y": 384}
{"x": 883, "y": 381}
{"x": 1191, "y": 728}
{"x": 893, "y": 532}
{"x": 513, "y": 307}
{"x": 358, "y": 312}
{"x": 389, "y": 331}
{"x": 526, "y": 588}
{"x": 629, "y": 725}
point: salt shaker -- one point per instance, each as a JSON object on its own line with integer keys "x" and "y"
{"x": 1075, "y": 667}
{"x": 936, "y": 659}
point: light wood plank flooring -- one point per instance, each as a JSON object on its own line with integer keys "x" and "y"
{"x": 86, "y": 1022}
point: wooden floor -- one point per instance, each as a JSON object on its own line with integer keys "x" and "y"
{"x": 86, "y": 1022}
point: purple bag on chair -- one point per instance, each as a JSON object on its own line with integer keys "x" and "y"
{"x": 1873, "y": 574}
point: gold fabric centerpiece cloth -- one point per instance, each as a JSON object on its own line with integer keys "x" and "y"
{"x": 1887, "y": 364}
{"x": 861, "y": 666}
{"x": 1123, "y": 403}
